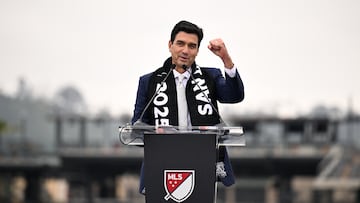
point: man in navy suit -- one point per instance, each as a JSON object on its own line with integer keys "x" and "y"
{"x": 181, "y": 93}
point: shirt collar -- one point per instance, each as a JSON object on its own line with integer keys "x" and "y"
{"x": 186, "y": 73}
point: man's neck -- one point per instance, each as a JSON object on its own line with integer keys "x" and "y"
{"x": 179, "y": 69}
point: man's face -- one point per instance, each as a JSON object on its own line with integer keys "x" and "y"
{"x": 184, "y": 49}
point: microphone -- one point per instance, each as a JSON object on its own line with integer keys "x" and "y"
{"x": 139, "y": 121}
{"x": 222, "y": 123}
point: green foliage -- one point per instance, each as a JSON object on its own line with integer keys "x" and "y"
{"x": 3, "y": 126}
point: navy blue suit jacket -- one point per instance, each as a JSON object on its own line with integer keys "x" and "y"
{"x": 228, "y": 90}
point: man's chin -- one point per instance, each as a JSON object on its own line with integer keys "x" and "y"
{"x": 186, "y": 63}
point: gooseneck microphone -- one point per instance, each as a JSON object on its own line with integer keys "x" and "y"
{"x": 222, "y": 123}
{"x": 139, "y": 121}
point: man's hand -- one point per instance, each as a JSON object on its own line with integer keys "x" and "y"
{"x": 217, "y": 46}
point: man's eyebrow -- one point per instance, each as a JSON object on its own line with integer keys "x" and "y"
{"x": 179, "y": 41}
{"x": 193, "y": 44}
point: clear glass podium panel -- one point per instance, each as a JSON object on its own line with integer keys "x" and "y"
{"x": 227, "y": 135}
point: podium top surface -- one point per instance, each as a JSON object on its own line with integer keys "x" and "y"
{"x": 227, "y": 135}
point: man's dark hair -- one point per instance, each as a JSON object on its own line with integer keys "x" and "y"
{"x": 187, "y": 27}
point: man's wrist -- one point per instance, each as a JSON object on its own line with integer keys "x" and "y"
{"x": 228, "y": 63}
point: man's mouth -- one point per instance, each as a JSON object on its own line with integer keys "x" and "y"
{"x": 183, "y": 58}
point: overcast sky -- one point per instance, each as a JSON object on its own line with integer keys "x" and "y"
{"x": 292, "y": 55}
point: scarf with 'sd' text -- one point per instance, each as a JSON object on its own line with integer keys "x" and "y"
{"x": 163, "y": 109}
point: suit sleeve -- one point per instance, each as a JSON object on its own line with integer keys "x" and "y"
{"x": 229, "y": 90}
{"x": 141, "y": 98}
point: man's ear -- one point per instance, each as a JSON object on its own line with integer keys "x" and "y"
{"x": 169, "y": 44}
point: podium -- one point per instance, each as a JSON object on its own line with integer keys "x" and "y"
{"x": 180, "y": 164}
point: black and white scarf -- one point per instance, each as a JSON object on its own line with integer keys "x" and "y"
{"x": 164, "y": 111}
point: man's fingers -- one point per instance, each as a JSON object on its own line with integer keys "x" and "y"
{"x": 216, "y": 42}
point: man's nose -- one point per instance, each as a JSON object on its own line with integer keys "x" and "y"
{"x": 185, "y": 50}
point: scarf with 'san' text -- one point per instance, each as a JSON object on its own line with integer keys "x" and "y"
{"x": 164, "y": 109}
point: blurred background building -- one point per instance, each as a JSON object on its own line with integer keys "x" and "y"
{"x": 54, "y": 151}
